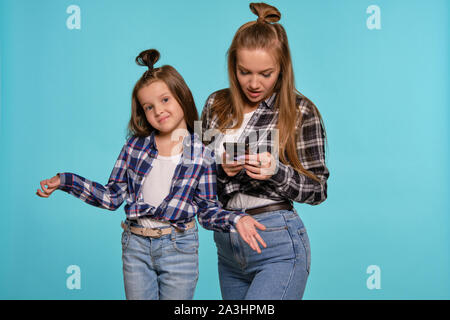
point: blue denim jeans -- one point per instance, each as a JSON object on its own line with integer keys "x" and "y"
{"x": 279, "y": 272}
{"x": 164, "y": 268}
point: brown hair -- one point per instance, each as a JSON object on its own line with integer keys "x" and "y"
{"x": 265, "y": 33}
{"x": 138, "y": 124}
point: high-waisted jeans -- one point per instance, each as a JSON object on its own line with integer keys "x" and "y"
{"x": 160, "y": 268}
{"x": 279, "y": 272}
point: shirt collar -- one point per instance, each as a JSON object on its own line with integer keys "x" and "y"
{"x": 270, "y": 101}
{"x": 152, "y": 145}
{"x": 190, "y": 141}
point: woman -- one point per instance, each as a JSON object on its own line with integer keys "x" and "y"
{"x": 285, "y": 163}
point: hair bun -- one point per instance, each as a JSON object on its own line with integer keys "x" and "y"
{"x": 148, "y": 58}
{"x": 266, "y": 13}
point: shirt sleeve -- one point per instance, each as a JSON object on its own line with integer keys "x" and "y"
{"x": 295, "y": 186}
{"x": 110, "y": 196}
{"x": 210, "y": 215}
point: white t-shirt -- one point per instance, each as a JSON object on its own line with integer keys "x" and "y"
{"x": 157, "y": 185}
{"x": 240, "y": 200}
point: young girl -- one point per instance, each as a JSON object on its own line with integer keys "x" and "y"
{"x": 286, "y": 162}
{"x": 166, "y": 176}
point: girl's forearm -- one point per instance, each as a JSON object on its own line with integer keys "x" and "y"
{"x": 110, "y": 196}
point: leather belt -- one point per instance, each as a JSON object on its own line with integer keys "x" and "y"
{"x": 154, "y": 232}
{"x": 270, "y": 207}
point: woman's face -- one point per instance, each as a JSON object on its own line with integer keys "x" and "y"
{"x": 162, "y": 110}
{"x": 257, "y": 72}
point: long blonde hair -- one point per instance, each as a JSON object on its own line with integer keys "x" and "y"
{"x": 265, "y": 33}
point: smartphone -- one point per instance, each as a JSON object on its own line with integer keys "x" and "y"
{"x": 236, "y": 149}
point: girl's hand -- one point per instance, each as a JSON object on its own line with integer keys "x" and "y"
{"x": 260, "y": 166}
{"x": 48, "y": 186}
{"x": 246, "y": 228}
{"x": 233, "y": 168}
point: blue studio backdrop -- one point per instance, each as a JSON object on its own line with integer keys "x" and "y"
{"x": 377, "y": 70}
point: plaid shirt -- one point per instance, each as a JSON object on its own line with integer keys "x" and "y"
{"x": 193, "y": 189}
{"x": 286, "y": 183}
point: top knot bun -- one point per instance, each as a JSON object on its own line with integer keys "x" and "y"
{"x": 148, "y": 58}
{"x": 266, "y": 13}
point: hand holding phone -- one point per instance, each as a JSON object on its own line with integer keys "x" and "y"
{"x": 236, "y": 150}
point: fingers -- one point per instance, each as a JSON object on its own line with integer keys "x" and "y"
{"x": 256, "y": 176}
{"x": 254, "y": 244}
{"x": 43, "y": 184}
{"x": 247, "y": 231}
{"x": 231, "y": 168}
{"x": 258, "y": 237}
{"x": 260, "y": 226}
{"x": 41, "y": 194}
{"x": 252, "y": 169}
{"x": 47, "y": 187}
{"x": 261, "y": 158}
{"x": 260, "y": 166}
{"x": 251, "y": 241}
{"x": 255, "y": 160}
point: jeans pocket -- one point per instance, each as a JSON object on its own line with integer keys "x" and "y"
{"x": 125, "y": 239}
{"x": 186, "y": 243}
{"x": 271, "y": 229}
{"x": 305, "y": 241}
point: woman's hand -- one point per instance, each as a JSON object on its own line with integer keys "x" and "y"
{"x": 231, "y": 168}
{"x": 246, "y": 228}
{"x": 260, "y": 166}
{"x": 48, "y": 186}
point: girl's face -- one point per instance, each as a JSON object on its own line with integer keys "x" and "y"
{"x": 162, "y": 110}
{"x": 257, "y": 72}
